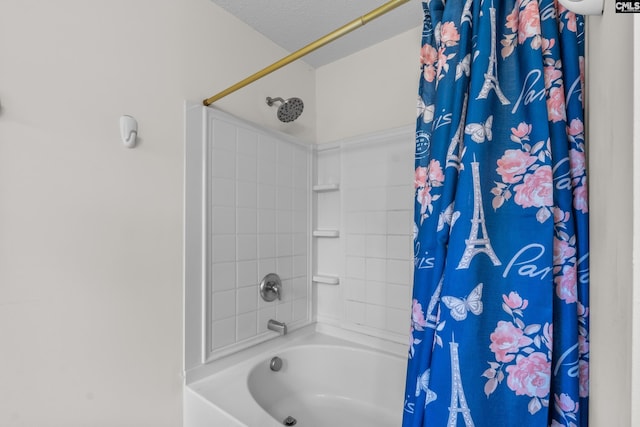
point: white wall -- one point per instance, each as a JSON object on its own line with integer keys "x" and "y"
{"x": 610, "y": 76}
{"x": 91, "y": 232}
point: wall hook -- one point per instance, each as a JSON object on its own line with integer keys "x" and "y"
{"x": 128, "y": 131}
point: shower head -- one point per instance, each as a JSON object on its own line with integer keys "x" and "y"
{"x": 288, "y": 110}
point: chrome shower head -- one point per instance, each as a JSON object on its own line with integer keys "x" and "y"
{"x": 288, "y": 110}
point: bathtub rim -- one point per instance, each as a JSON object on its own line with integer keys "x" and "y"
{"x": 318, "y": 332}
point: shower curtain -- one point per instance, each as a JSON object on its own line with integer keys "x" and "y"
{"x": 500, "y": 320}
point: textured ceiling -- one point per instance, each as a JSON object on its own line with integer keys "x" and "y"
{"x": 293, "y": 24}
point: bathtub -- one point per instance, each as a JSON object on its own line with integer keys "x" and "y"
{"x": 323, "y": 381}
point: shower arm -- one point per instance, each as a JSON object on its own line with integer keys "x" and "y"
{"x": 345, "y": 29}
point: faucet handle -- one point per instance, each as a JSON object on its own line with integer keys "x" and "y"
{"x": 271, "y": 287}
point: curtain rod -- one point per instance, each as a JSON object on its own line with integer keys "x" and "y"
{"x": 345, "y": 29}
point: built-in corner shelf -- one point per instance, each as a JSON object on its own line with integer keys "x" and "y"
{"x": 328, "y": 280}
{"x": 326, "y": 233}
{"x": 321, "y": 188}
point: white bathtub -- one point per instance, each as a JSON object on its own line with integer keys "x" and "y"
{"x": 324, "y": 381}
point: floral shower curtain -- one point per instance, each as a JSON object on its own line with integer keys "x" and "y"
{"x": 499, "y": 331}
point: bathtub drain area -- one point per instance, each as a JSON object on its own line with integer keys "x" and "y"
{"x": 290, "y": 421}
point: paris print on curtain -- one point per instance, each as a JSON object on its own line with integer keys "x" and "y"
{"x": 499, "y": 330}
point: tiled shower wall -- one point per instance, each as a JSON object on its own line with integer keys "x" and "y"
{"x": 373, "y": 255}
{"x": 258, "y": 220}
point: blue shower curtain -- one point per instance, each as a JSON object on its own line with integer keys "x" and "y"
{"x": 500, "y": 321}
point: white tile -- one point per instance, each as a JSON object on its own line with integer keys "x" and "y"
{"x": 356, "y": 223}
{"x": 356, "y": 244}
{"x": 267, "y": 151}
{"x": 267, "y": 245}
{"x": 376, "y": 269}
{"x": 376, "y": 198}
{"x": 398, "y": 321}
{"x": 266, "y": 196}
{"x": 398, "y": 296}
{"x": 223, "y": 332}
{"x": 376, "y": 316}
{"x": 284, "y": 244}
{"x": 400, "y": 222}
{"x": 400, "y": 271}
{"x": 247, "y": 246}
{"x": 284, "y": 221}
{"x": 223, "y": 248}
{"x": 223, "y": 192}
{"x": 247, "y": 325}
{"x": 284, "y": 311}
{"x": 355, "y": 312}
{"x": 376, "y": 293}
{"x": 224, "y": 304}
{"x": 223, "y": 164}
{"x": 399, "y": 247}
{"x": 376, "y": 222}
{"x": 300, "y": 172}
{"x": 400, "y": 197}
{"x": 247, "y": 299}
{"x": 247, "y": 273}
{"x": 267, "y": 221}
{"x": 300, "y": 244}
{"x": 247, "y": 142}
{"x": 356, "y": 267}
{"x": 300, "y": 309}
{"x": 376, "y": 245}
{"x": 300, "y": 287}
{"x": 223, "y": 219}
{"x": 300, "y": 199}
{"x": 223, "y": 276}
{"x": 247, "y": 169}
{"x": 224, "y": 135}
{"x": 299, "y": 265}
{"x": 284, "y": 152}
{"x": 246, "y": 195}
{"x": 247, "y": 220}
{"x": 300, "y": 223}
{"x": 285, "y": 267}
{"x": 284, "y": 175}
{"x": 284, "y": 198}
{"x": 356, "y": 289}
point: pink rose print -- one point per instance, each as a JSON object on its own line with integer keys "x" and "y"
{"x": 565, "y": 403}
{"x": 513, "y": 164}
{"x": 425, "y": 179}
{"x": 521, "y": 132}
{"x": 577, "y": 162}
{"x": 506, "y": 340}
{"x": 530, "y": 376}
{"x": 580, "y": 198}
{"x": 555, "y": 104}
{"x": 583, "y": 367}
{"x": 576, "y": 127}
{"x": 449, "y": 35}
{"x": 514, "y": 301}
{"x": 566, "y": 285}
{"x": 551, "y": 75}
{"x": 421, "y": 177}
{"x": 429, "y": 57}
{"x": 512, "y": 19}
{"x": 417, "y": 316}
{"x": 536, "y": 190}
{"x": 562, "y": 251}
{"x": 529, "y": 22}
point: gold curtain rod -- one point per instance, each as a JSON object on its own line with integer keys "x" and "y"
{"x": 345, "y": 29}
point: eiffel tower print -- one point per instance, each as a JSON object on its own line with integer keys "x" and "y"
{"x": 456, "y": 147}
{"x": 458, "y": 400}
{"x": 476, "y": 243}
{"x": 490, "y": 79}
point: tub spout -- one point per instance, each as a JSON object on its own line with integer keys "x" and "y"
{"x": 274, "y": 325}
